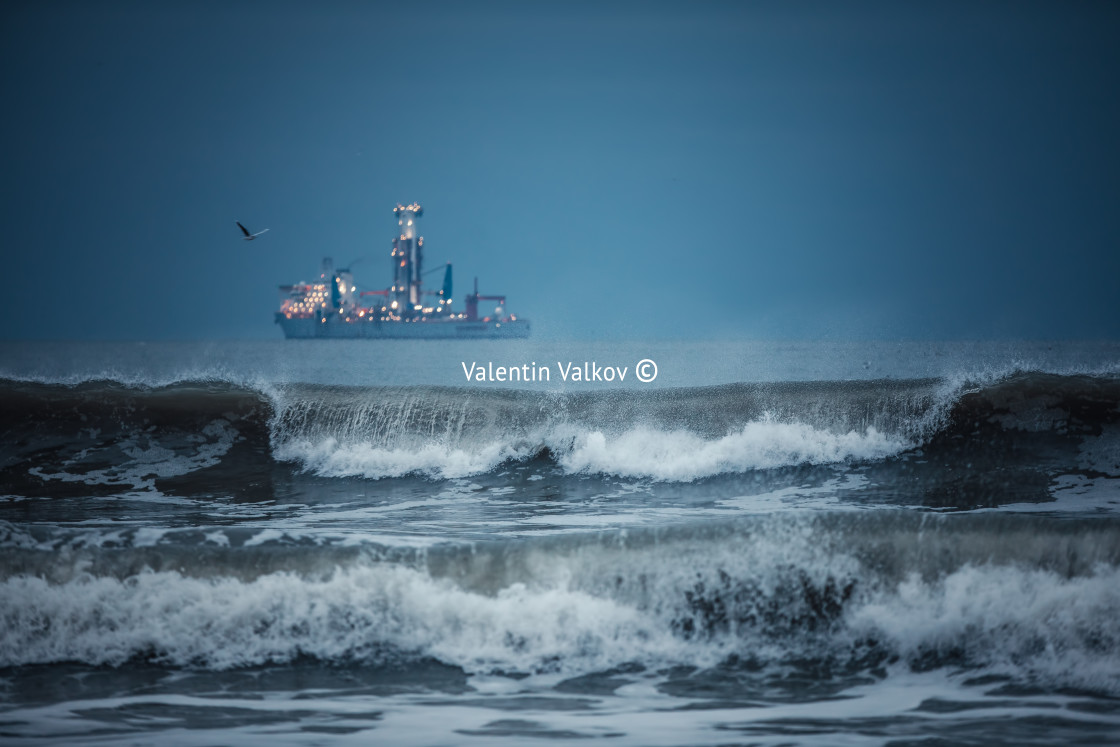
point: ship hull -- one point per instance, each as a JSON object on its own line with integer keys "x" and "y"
{"x": 332, "y": 328}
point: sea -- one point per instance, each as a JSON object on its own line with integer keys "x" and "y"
{"x": 745, "y": 543}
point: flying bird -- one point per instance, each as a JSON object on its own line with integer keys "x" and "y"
{"x": 249, "y": 236}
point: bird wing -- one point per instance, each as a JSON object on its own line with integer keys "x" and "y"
{"x": 244, "y": 230}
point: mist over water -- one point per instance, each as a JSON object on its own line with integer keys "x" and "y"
{"x": 923, "y": 537}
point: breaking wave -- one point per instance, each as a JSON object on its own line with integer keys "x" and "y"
{"x": 111, "y": 435}
{"x": 1007, "y": 594}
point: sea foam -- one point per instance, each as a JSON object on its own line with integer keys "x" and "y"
{"x": 785, "y": 591}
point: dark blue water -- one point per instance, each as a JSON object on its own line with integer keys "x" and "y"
{"x": 309, "y": 542}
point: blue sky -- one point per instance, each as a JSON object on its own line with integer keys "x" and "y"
{"x": 630, "y": 170}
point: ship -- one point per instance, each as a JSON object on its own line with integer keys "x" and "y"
{"x": 333, "y": 306}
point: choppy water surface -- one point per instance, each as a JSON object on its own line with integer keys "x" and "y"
{"x": 770, "y": 544}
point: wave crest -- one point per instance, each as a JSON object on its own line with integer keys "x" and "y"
{"x": 109, "y": 434}
{"x": 1035, "y": 600}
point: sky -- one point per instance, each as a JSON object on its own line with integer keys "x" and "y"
{"x": 770, "y": 170}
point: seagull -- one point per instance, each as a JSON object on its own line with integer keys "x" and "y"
{"x": 249, "y": 236}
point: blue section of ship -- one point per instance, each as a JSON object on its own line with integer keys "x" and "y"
{"x": 334, "y": 307}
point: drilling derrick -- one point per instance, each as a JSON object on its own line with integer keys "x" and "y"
{"x": 408, "y": 257}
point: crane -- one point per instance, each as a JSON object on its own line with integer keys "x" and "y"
{"x": 474, "y": 298}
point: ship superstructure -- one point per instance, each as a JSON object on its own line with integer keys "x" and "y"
{"x": 333, "y": 307}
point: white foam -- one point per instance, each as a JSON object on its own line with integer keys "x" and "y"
{"x": 684, "y": 456}
{"x": 147, "y": 460}
{"x": 330, "y": 458}
{"x": 643, "y": 452}
{"x": 263, "y": 536}
{"x": 1059, "y": 630}
{"x": 13, "y": 535}
{"x": 218, "y": 537}
{"x": 224, "y": 623}
{"x": 581, "y": 612}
